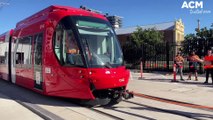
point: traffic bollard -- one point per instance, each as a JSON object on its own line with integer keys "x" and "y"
{"x": 141, "y": 69}
{"x": 174, "y": 73}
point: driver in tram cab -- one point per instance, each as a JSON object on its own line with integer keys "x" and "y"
{"x": 72, "y": 50}
{"x": 70, "y": 55}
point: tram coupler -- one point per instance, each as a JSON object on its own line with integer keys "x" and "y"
{"x": 127, "y": 95}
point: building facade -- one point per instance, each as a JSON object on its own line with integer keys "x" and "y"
{"x": 173, "y": 32}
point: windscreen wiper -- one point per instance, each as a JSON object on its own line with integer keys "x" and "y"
{"x": 107, "y": 65}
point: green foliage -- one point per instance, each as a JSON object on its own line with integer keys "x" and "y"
{"x": 148, "y": 36}
{"x": 143, "y": 41}
{"x": 198, "y": 42}
{"x": 205, "y": 33}
{"x": 131, "y": 52}
{"x": 190, "y": 36}
{"x": 187, "y": 43}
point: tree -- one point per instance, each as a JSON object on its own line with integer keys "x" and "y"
{"x": 143, "y": 41}
{"x": 188, "y": 43}
{"x": 147, "y": 36}
{"x": 190, "y": 36}
{"x": 204, "y": 33}
{"x": 198, "y": 42}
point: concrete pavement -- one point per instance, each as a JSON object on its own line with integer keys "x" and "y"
{"x": 160, "y": 85}
{"x": 11, "y": 110}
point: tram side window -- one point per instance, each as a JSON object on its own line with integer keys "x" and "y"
{"x": 65, "y": 46}
{"x": 26, "y": 50}
{"x": 23, "y": 53}
{"x": 19, "y": 55}
{"x": 3, "y": 53}
{"x": 38, "y": 49}
{"x": 57, "y": 42}
{"x": 2, "y": 57}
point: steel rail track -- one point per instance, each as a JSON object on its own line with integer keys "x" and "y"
{"x": 180, "y": 103}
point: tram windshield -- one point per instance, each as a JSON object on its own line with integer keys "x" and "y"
{"x": 99, "y": 42}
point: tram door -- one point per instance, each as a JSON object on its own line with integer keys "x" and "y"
{"x": 38, "y": 80}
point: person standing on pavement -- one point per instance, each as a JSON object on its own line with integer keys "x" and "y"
{"x": 179, "y": 64}
{"x": 193, "y": 63}
{"x": 208, "y": 61}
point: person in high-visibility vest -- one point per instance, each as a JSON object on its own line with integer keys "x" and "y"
{"x": 208, "y": 65}
{"x": 193, "y": 63}
{"x": 179, "y": 64}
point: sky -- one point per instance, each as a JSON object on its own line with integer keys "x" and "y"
{"x": 134, "y": 12}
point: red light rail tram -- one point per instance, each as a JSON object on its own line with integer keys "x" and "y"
{"x": 65, "y": 52}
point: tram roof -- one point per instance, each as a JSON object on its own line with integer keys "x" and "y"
{"x": 43, "y": 14}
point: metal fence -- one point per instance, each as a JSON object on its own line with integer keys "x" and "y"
{"x": 161, "y": 56}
